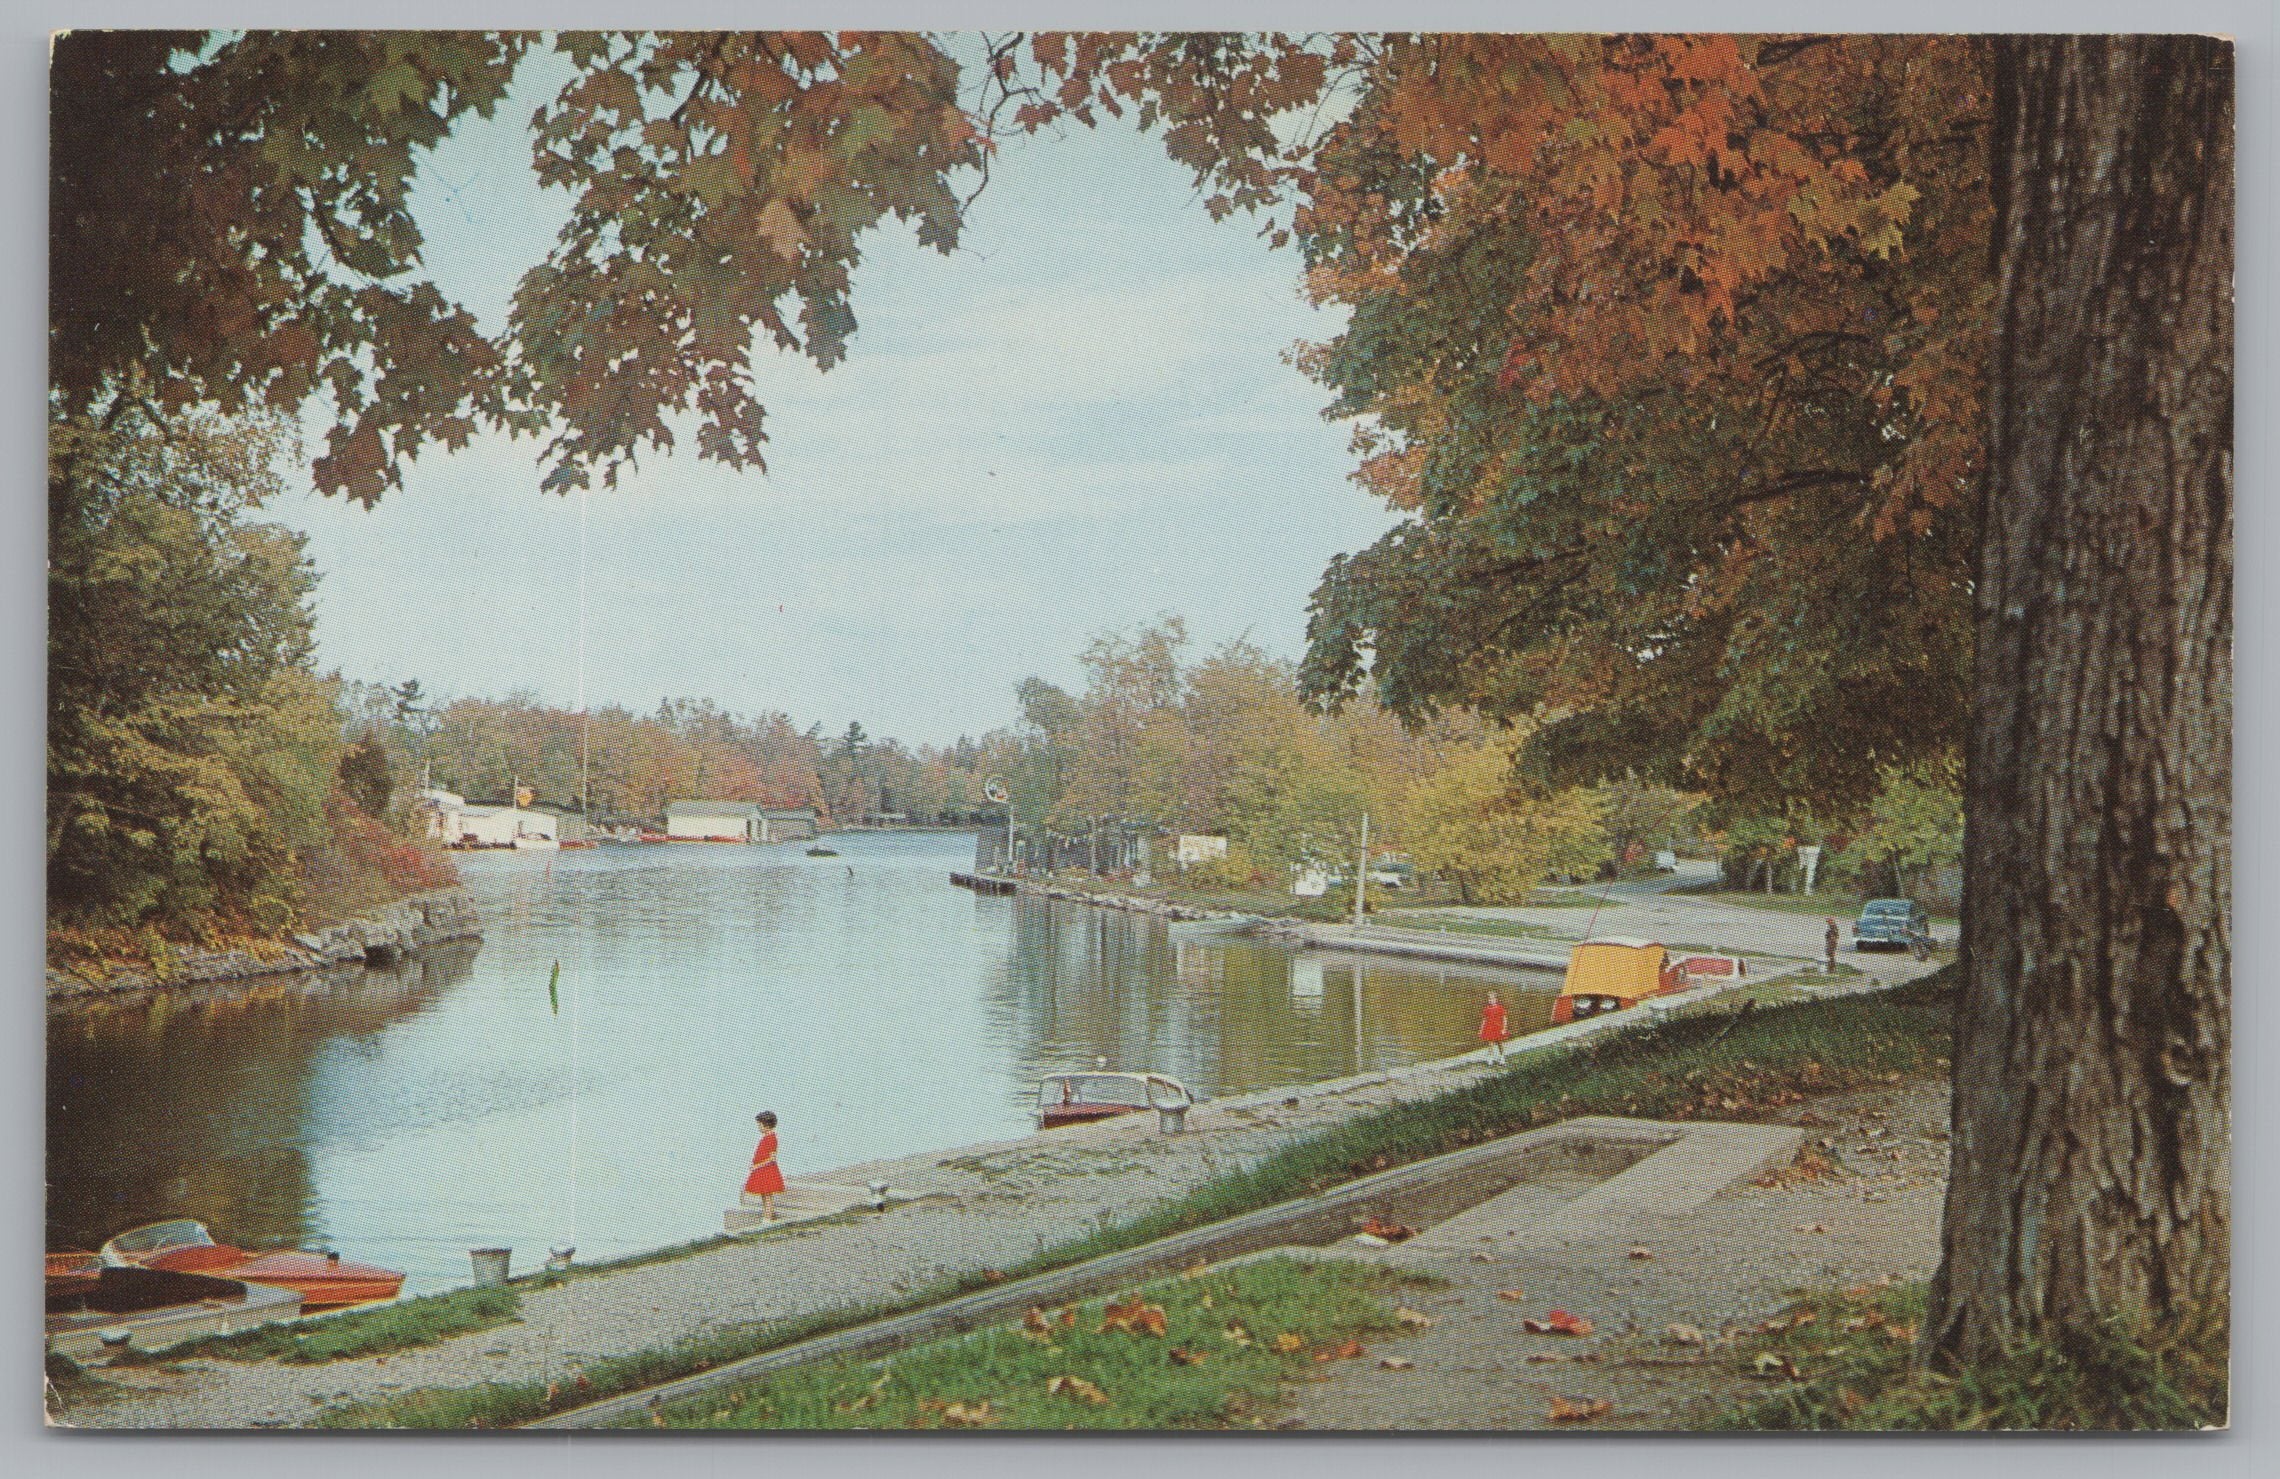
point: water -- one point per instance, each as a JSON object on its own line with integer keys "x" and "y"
{"x": 405, "y": 1116}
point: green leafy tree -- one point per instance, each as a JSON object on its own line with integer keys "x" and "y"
{"x": 1471, "y": 825}
{"x": 366, "y": 775}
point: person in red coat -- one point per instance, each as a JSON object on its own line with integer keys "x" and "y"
{"x": 1492, "y": 1026}
{"x": 767, "y": 1177}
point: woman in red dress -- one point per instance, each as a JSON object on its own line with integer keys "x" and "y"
{"x": 1492, "y": 1026}
{"x": 766, "y": 1178}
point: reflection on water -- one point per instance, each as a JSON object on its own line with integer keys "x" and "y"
{"x": 405, "y": 1116}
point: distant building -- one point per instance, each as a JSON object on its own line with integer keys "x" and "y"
{"x": 1192, "y": 847}
{"x": 737, "y": 821}
{"x": 502, "y": 824}
{"x": 569, "y": 822}
{"x": 436, "y": 813}
{"x": 787, "y": 823}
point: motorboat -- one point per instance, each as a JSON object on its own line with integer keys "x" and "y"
{"x": 1612, "y": 973}
{"x": 72, "y": 1272}
{"x": 94, "y": 1317}
{"x": 324, "y": 1280}
{"x": 536, "y": 842}
{"x": 1079, "y": 1098}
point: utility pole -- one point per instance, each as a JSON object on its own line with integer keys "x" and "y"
{"x": 1362, "y": 874}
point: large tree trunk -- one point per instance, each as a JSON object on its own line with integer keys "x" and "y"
{"x": 2092, "y": 1082}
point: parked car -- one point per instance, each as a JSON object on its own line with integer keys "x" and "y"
{"x": 1896, "y": 924}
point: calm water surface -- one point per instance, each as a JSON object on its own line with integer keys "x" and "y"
{"x": 405, "y": 1116}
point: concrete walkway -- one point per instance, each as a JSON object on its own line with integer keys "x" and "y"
{"x": 1667, "y": 1284}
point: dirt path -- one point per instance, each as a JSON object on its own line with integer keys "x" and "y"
{"x": 1719, "y": 1270}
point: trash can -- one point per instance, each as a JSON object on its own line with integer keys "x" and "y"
{"x": 490, "y": 1266}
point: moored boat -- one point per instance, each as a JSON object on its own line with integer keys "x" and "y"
{"x": 1614, "y": 972}
{"x": 1078, "y": 1098}
{"x": 324, "y": 1280}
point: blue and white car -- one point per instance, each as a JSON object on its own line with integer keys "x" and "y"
{"x": 1893, "y": 924}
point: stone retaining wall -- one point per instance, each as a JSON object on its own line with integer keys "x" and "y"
{"x": 403, "y": 928}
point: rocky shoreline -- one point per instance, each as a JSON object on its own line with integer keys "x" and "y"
{"x": 402, "y": 929}
{"x": 1162, "y": 908}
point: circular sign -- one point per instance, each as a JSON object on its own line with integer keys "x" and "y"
{"x": 994, "y": 791}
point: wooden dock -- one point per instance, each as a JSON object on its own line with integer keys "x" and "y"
{"x": 985, "y": 883}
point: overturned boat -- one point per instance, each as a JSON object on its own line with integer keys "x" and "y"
{"x": 97, "y": 1311}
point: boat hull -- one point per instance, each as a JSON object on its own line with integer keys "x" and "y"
{"x": 322, "y": 1281}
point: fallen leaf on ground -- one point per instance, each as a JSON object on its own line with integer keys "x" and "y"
{"x": 1558, "y": 1322}
{"x": 1514, "y": 1293}
{"x": 959, "y": 1414}
{"x": 1345, "y": 1352}
{"x": 1684, "y": 1335}
{"x": 1484, "y": 1258}
{"x": 1412, "y": 1318}
{"x": 1769, "y": 1366}
{"x": 993, "y": 1275}
{"x": 1289, "y": 1341}
{"x": 1205, "y": 1301}
{"x": 1395, "y": 1363}
{"x": 1069, "y": 1318}
{"x": 1392, "y": 1232}
{"x": 1642, "y": 1253}
{"x": 1134, "y": 1317}
{"x": 1077, "y": 1389}
{"x": 1035, "y": 1323}
{"x": 1899, "y": 1333}
{"x": 1182, "y": 1356}
{"x": 1580, "y": 1409}
{"x": 1238, "y": 1335}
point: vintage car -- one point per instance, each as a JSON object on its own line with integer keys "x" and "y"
{"x": 1891, "y": 924}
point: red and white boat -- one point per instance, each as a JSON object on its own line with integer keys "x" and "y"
{"x": 1077, "y": 1098}
{"x": 182, "y": 1246}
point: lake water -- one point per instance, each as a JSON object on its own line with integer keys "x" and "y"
{"x": 405, "y": 1116}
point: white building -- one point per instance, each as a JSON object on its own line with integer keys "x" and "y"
{"x": 713, "y": 821}
{"x": 501, "y": 824}
{"x": 439, "y": 813}
{"x": 1193, "y": 847}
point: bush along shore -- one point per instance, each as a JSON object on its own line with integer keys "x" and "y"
{"x": 382, "y": 937}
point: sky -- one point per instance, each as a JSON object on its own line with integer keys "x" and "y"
{"x": 1080, "y": 420}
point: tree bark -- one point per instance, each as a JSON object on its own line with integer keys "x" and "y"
{"x": 2092, "y": 1073}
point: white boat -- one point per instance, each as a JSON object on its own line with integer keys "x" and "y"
{"x": 536, "y": 844}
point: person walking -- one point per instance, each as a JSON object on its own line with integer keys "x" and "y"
{"x": 1492, "y": 1027}
{"x": 1829, "y": 945}
{"x": 767, "y": 1177}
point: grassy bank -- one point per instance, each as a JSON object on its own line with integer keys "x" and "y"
{"x": 377, "y": 1331}
{"x": 1845, "y": 1361}
{"x": 1732, "y": 1065}
{"x": 1227, "y": 1342}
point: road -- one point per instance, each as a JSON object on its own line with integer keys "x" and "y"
{"x": 1648, "y": 908}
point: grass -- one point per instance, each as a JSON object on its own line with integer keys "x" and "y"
{"x": 377, "y": 1331}
{"x": 1231, "y": 1339}
{"x": 1465, "y": 924}
{"x": 1847, "y": 1362}
{"x": 1726, "y": 1065}
{"x": 1845, "y": 907}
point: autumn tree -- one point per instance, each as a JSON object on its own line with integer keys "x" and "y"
{"x": 1496, "y": 839}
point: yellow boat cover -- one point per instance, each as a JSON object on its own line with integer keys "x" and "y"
{"x": 1626, "y": 969}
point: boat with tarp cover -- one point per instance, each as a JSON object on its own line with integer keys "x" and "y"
{"x": 324, "y": 1280}
{"x": 1076, "y": 1098}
